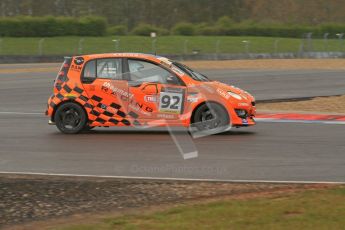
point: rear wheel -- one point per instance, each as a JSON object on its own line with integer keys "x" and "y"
{"x": 210, "y": 116}
{"x": 70, "y": 118}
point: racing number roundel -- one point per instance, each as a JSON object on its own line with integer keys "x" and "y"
{"x": 170, "y": 102}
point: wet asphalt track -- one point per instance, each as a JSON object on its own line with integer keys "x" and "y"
{"x": 269, "y": 151}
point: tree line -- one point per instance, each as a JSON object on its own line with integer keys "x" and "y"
{"x": 49, "y": 26}
{"x": 167, "y": 13}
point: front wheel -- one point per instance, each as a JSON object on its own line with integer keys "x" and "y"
{"x": 70, "y": 118}
{"x": 211, "y": 116}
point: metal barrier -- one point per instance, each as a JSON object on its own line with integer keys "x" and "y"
{"x": 181, "y": 47}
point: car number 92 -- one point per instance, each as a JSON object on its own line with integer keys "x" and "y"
{"x": 170, "y": 102}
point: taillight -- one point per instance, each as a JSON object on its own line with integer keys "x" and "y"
{"x": 62, "y": 74}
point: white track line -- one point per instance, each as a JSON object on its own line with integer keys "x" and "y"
{"x": 260, "y": 120}
{"x": 172, "y": 178}
{"x": 269, "y": 120}
{"x": 21, "y": 113}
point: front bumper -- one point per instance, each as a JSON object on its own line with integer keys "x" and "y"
{"x": 244, "y": 116}
{"x": 246, "y": 122}
{"x": 50, "y": 122}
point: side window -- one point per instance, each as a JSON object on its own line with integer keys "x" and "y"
{"x": 109, "y": 68}
{"x": 90, "y": 71}
{"x": 142, "y": 71}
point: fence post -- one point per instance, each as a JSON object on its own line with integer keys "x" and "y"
{"x": 80, "y": 45}
{"x": 340, "y": 37}
{"x": 325, "y": 40}
{"x": 153, "y": 36}
{"x": 276, "y": 43}
{"x": 246, "y": 46}
{"x": 310, "y": 41}
{"x": 185, "y": 47}
{"x": 154, "y": 47}
{"x": 301, "y": 49}
{"x": 217, "y": 48}
{"x": 117, "y": 44}
{"x": 40, "y": 46}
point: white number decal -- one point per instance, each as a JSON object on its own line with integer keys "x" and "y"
{"x": 170, "y": 102}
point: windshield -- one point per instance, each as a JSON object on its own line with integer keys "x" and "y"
{"x": 192, "y": 73}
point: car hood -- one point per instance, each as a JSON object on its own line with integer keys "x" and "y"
{"x": 244, "y": 94}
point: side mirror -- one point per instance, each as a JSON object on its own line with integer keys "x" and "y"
{"x": 150, "y": 89}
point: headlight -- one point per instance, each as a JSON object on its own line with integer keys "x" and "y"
{"x": 235, "y": 95}
{"x": 241, "y": 113}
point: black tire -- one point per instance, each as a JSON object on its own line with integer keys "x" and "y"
{"x": 70, "y": 118}
{"x": 211, "y": 116}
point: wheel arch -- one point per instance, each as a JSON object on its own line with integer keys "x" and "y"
{"x": 64, "y": 102}
{"x": 205, "y": 102}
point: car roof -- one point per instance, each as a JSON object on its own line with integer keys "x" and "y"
{"x": 125, "y": 55}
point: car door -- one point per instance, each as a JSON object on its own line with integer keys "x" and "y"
{"x": 103, "y": 82}
{"x": 158, "y": 94}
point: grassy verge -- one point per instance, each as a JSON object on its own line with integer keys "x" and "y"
{"x": 317, "y": 209}
{"x": 320, "y": 104}
{"x": 164, "y": 45}
{"x": 271, "y": 64}
{"x": 258, "y": 64}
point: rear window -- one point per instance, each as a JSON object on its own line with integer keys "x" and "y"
{"x": 107, "y": 68}
{"x": 90, "y": 69}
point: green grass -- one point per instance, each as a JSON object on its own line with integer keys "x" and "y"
{"x": 164, "y": 45}
{"x": 322, "y": 209}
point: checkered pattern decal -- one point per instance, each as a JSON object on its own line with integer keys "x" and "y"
{"x": 99, "y": 113}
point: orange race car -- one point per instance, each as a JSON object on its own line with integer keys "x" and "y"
{"x": 142, "y": 90}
